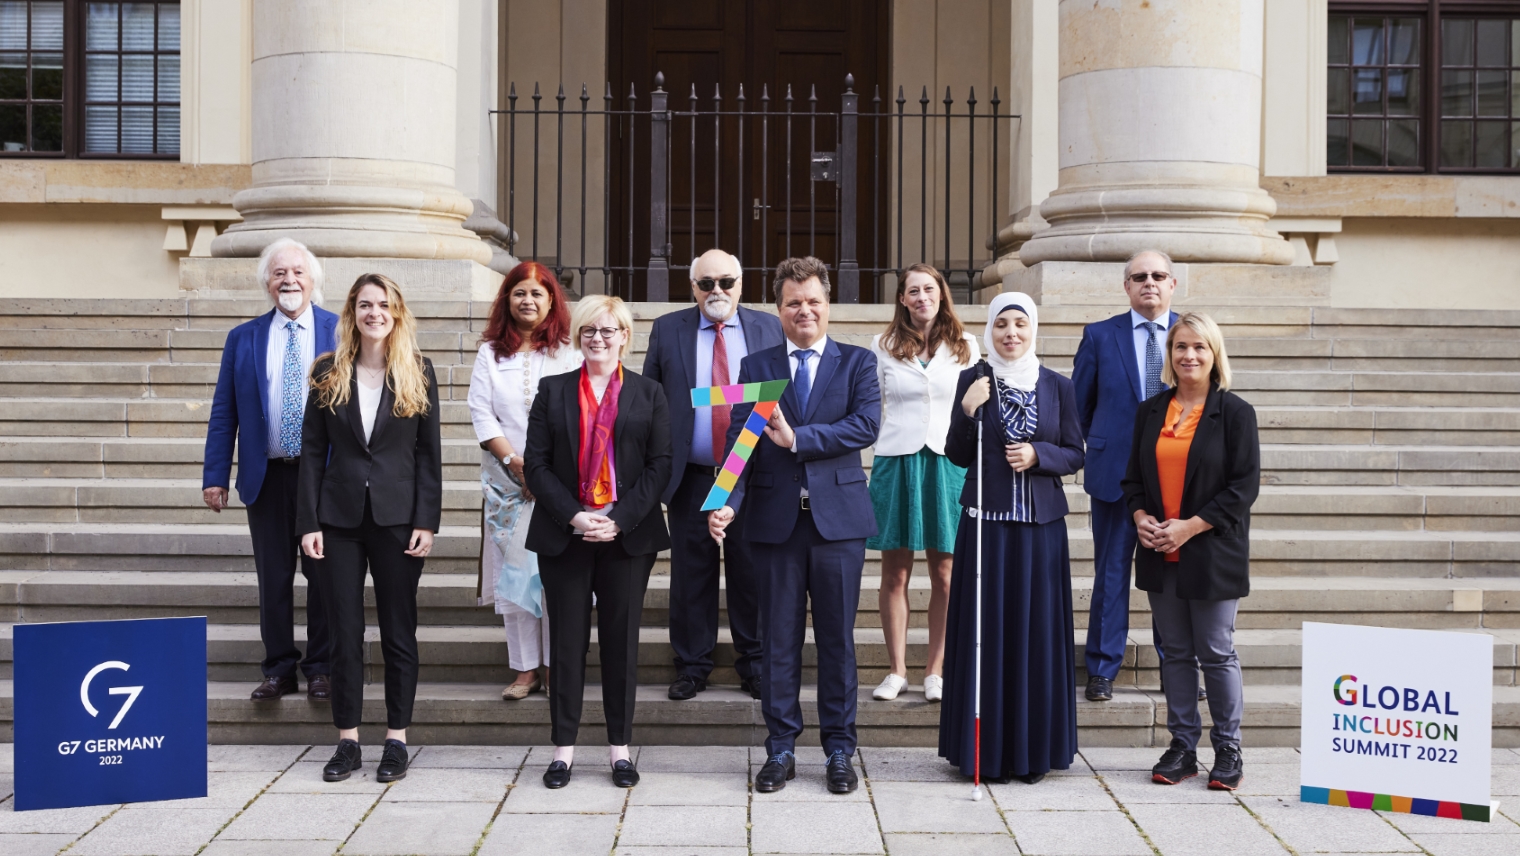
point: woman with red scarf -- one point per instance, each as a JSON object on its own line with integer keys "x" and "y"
{"x": 598, "y": 458}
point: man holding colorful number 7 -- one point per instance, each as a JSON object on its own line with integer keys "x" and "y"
{"x": 808, "y": 519}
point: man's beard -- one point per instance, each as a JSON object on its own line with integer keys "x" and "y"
{"x": 290, "y": 301}
{"x": 718, "y": 306}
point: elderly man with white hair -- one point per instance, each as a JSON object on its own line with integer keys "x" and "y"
{"x": 696, "y": 347}
{"x": 259, "y": 405}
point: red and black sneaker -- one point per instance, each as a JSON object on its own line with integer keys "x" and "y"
{"x": 1176, "y": 764}
{"x": 1228, "y": 768}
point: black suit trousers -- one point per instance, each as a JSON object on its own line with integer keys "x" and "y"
{"x": 276, "y": 547}
{"x": 618, "y": 580}
{"x": 380, "y": 550}
{"x": 694, "y": 560}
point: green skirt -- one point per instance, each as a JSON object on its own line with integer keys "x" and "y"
{"x": 917, "y": 500}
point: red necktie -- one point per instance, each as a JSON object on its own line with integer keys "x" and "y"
{"x": 720, "y": 413}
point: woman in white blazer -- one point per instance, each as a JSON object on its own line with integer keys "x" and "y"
{"x": 915, "y": 490}
{"x": 527, "y": 339}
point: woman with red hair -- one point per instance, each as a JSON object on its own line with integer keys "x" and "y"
{"x": 526, "y": 340}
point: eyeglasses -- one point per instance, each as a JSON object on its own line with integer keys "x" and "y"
{"x": 708, "y": 283}
{"x": 605, "y": 332}
{"x": 1156, "y": 275}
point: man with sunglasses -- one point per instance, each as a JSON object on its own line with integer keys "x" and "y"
{"x": 695, "y": 347}
{"x": 1117, "y": 366}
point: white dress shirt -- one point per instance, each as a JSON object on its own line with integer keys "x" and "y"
{"x": 369, "y": 405}
{"x": 812, "y": 370}
{"x": 498, "y": 405}
{"x": 274, "y": 370}
{"x": 1143, "y": 335}
{"x": 916, "y": 400}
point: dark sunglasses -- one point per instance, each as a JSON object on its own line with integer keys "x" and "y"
{"x": 1157, "y": 275}
{"x": 725, "y": 283}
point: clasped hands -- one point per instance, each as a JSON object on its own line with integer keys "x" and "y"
{"x": 1020, "y": 456}
{"x": 1167, "y": 537}
{"x": 595, "y": 527}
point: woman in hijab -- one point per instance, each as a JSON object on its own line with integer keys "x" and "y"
{"x": 1030, "y": 439}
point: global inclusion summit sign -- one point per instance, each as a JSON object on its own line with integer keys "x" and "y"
{"x": 1397, "y": 720}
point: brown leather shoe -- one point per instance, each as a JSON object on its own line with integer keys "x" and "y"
{"x": 273, "y": 688}
{"x": 319, "y": 688}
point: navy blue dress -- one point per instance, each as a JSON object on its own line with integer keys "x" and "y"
{"x": 1029, "y": 718}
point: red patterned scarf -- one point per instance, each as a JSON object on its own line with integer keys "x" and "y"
{"x": 597, "y": 486}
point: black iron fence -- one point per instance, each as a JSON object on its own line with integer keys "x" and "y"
{"x": 651, "y": 185}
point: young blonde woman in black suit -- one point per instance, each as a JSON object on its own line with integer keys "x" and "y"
{"x": 371, "y": 421}
{"x": 598, "y": 459}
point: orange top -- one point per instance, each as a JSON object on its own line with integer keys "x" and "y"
{"x": 1171, "y": 459}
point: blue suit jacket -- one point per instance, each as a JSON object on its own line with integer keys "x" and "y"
{"x": 1109, "y": 391}
{"x": 843, "y": 414}
{"x": 671, "y": 361}
{"x": 237, "y": 408}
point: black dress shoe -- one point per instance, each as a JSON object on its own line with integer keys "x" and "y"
{"x": 1176, "y": 764}
{"x": 273, "y": 688}
{"x": 686, "y": 687}
{"x": 751, "y": 686}
{"x": 557, "y": 776}
{"x": 624, "y": 775}
{"x": 840, "y": 775}
{"x": 779, "y": 769}
{"x": 1100, "y": 688}
{"x": 392, "y": 762}
{"x": 1032, "y": 778}
{"x": 344, "y": 761}
{"x": 319, "y": 688}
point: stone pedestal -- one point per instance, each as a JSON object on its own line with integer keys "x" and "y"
{"x": 1160, "y": 135}
{"x": 354, "y": 106}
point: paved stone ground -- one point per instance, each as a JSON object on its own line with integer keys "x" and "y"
{"x": 469, "y": 800}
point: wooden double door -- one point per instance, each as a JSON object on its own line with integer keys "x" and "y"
{"x": 718, "y": 195}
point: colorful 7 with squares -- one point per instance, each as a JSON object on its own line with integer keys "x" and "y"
{"x": 764, "y": 396}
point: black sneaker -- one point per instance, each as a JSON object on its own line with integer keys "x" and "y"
{"x": 1100, "y": 688}
{"x": 1176, "y": 764}
{"x": 1228, "y": 768}
{"x": 779, "y": 769}
{"x": 392, "y": 762}
{"x": 344, "y": 762}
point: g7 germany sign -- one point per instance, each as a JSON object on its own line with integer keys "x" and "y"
{"x": 110, "y": 712}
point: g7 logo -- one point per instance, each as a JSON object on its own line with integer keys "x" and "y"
{"x": 130, "y": 692}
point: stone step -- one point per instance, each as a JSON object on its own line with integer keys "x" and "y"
{"x": 1275, "y": 603}
{"x": 478, "y": 654}
{"x": 474, "y": 714}
{"x": 1395, "y": 507}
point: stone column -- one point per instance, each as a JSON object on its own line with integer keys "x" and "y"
{"x": 1160, "y": 135}
{"x": 354, "y": 132}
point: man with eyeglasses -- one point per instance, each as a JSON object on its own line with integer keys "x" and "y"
{"x": 1117, "y": 366}
{"x": 695, "y": 347}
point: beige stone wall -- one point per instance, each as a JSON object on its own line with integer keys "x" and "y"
{"x": 216, "y": 51}
{"x": 1428, "y": 263}
{"x": 85, "y": 250}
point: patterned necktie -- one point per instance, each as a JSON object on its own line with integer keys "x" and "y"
{"x": 720, "y": 413}
{"x": 1153, "y": 385}
{"x": 292, "y": 403}
{"x": 803, "y": 384}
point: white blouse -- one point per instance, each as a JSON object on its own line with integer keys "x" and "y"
{"x": 916, "y": 400}
{"x": 369, "y": 405}
{"x": 501, "y": 390}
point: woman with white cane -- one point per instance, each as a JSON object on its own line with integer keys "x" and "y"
{"x": 1013, "y": 715}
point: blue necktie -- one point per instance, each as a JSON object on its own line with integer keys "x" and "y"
{"x": 292, "y": 400}
{"x": 1153, "y": 384}
{"x": 802, "y": 385}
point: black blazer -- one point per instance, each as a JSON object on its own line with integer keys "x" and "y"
{"x": 1057, "y": 443}
{"x": 1223, "y": 479}
{"x": 403, "y": 460}
{"x": 641, "y": 458}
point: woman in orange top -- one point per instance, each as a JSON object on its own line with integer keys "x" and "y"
{"x": 1194, "y": 471}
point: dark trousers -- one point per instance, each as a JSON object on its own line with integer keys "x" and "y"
{"x": 694, "y": 558}
{"x": 828, "y": 572}
{"x": 349, "y": 552}
{"x": 1114, "y": 538}
{"x": 276, "y": 546}
{"x": 618, "y": 580}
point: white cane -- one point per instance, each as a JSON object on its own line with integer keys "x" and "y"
{"x": 976, "y": 705}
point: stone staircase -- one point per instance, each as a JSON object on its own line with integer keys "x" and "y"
{"x": 1391, "y": 496}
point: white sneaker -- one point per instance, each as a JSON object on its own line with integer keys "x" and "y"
{"x": 890, "y": 686}
{"x": 934, "y": 687}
